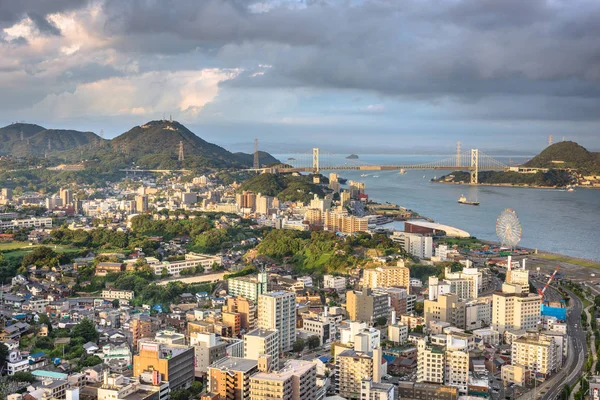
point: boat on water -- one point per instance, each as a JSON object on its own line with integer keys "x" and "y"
{"x": 375, "y": 176}
{"x": 402, "y": 171}
{"x": 570, "y": 189}
{"x": 463, "y": 200}
{"x": 363, "y": 175}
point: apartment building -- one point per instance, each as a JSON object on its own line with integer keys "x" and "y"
{"x": 261, "y": 342}
{"x": 249, "y": 287}
{"x": 208, "y": 348}
{"x": 192, "y": 260}
{"x": 430, "y": 363}
{"x": 367, "y": 305}
{"x": 337, "y": 283}
{"x": 297, "y": 380}
{"x": 443, "y": 364}
{"x": 246, "y": 308}
{"x": 340, "y": 222}
{"x": 111, "y": 294}
{"x": 277, "y": 311}
{"x": 140, "y": 327}
{"x": 447, "y": 308}
{"x": 229, "y": 378}
{"x": 539, "y": 353}
{"x": 381, "y": 277}
{"x": 26, "y": 223}
{"x": 352, "y": 367}
{"x": 175, "y": 363}
{"x": 417, "y": 245}
{"x": 513, "y": 309}
{"x": 370, "y": 390}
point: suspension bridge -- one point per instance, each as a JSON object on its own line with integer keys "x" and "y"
{"x": 472, "y": 161}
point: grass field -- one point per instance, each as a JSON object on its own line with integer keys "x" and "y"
{"x": 12, "y": 246}
{"x": 570, "y": 260}
{"x": 19, "y": 249}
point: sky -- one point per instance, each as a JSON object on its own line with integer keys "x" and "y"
{"x": 343, "y": 75}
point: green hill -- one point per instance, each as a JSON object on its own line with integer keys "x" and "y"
{"x": 27, "y": 140}
{"x": 285, "y": 187}
{"x": 566, "y": 155}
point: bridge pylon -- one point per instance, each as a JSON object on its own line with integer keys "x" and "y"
{"x": 474, "y": 166}
{"x": 316, "y": 160}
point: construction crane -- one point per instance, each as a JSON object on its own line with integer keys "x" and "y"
{"x": 542, "y": 291}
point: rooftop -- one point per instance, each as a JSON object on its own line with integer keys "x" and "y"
{"x": 235, "y": 364}
{"x": 260, "y": 333}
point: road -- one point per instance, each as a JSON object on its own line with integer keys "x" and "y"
{"x": 195, "y": 279}
{"x": 573, "y": 366}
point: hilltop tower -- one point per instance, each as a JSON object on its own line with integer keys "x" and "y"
{"x": 256, "y": 164}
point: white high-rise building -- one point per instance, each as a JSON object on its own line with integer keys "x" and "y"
{"x": 513, "y": 309}
{"x": 277, "y": 311}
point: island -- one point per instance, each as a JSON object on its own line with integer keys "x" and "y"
{"x": 563, "y": 164}
{"x": 352, "y": 157}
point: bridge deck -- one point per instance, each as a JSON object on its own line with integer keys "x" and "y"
{"x": 381, "y": 168}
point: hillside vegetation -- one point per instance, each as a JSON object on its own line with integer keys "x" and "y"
{"x": 285, "y": 187}
{"x": 571, "y": 154}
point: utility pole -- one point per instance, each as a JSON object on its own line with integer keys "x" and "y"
{"x": 256, "y": 164}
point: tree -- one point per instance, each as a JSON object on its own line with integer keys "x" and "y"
{"x": 22, "y": 377}
{"x": 419, "y": 308}
{"x": 314, "y": 342}
{"x": 91, "y": 361}
{"x": 164, "y": 273}
{"x": 40, "y": 256}
{"x": 298, "y": 346}
{"x": 418, "y": 329}
{"x": 86, "y": 330}
{"x": 381, "y": 321}
{"x": 115, "y": 303}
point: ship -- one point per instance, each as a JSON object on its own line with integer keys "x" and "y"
{"x": 463, "y": 200}
{"x": 402, "y": 171}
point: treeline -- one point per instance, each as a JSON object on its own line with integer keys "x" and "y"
{"x": 285, "y": 187}
{"x": 551, "y": 178}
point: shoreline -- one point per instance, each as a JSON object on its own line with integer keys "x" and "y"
{"x": 514, "y": 185}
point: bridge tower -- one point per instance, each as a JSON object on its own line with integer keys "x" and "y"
{"x": 256, "y": 163}
{"x": 458, "y": 151}
{"x": 474, "y": 166}
{"x": 316, "y": 160}
{"x": 181, "y": 156}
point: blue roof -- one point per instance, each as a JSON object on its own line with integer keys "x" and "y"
{"x": 388, "y": 358}
{"x": 49, "y": 374}
{"x": 37, "y": 355}
{"x": 324, "y": 359}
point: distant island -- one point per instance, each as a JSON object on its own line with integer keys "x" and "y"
{"x": 559, "y": 165}
{"x": 352, "y": 157}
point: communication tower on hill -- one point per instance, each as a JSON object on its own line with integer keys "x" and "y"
{"x": 549, "y": 140}
{"x": 256, "y": 163}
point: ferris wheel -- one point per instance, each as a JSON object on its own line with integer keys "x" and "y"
{"x": 509, "y": 229}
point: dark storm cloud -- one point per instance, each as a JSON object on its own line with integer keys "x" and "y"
{"x": 465, "y": 49}
{"x": 89, "y": 73}
{"x": 12, "y": 11}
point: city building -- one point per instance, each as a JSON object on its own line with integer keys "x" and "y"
{"x": 229, "y": 378}
{"x": 417, "y": 245}
{"x": 539, "y": 353}
{"x": 381, "y": 277}
{"x": 360, "y": 336}
{"x": 111, "y": 294}
{"x": 208, "y": 348}
{"x": 352, "y": 367}
{"x": 377, "y": 391}
{"x": 277, "y": 311}
{"x": 192, "y": 260}
{"x": 513, "y": 309}
{"x": 246, "y": 308}
{"x": 367, "y": 305}
{"x": 26, "y": 223}
{"x": 140, "y": 327}
{"x": 426, "y": 391}
{"x": 249, "y": 287}
{"x": 261, "y": 342}
{"x": 141, "y": 203}
{"x": 337, "y": 283}
{"x": 175, "y": 363}
{"x": 341, "y": 222}
{"x": 295, "y": 381}
{"x": 447, "y": 308}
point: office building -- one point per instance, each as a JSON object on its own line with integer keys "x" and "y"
{"x": 277, "y": 311}
{"x": 208, "y": 348}
{"x": 246, "y": 201}
{"x": 168, "y": 336}
{"x": 513, "y": 309}
{"x": 446, "y": 364}
{"x": 400, "y": 300}
{"x": 249, "y": 287}
{"x": 261, "y": 342}
{"x": 140, "y": 327}
{"x": 66, "y": 195}
{"x": 297, "y": 380}
{"x": 367, "y": 305}
{"x": 352, "y": 367}
{"x": 381, "y": 277}
{"x": 362, "y": 337}
{"x": 229, "y": 378}
{"x": 519, "y": 277}
{"x": 188, "y": 198}
{"x": 175, "y": 363}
